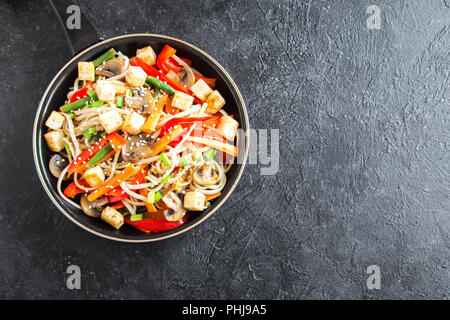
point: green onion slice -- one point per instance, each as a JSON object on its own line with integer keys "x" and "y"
{"x": 184, "y": 161}
{"x": 209, "y": 154}
{"x": 119, "y": 101}
{"x": 165, "y": 159}
{"x": 88, "y": 133}
{"x": 136, "y": 217}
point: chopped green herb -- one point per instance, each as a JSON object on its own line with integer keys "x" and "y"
{"x": 197, "y": 154}
{"x": 209, "y": 154}
{"x": 136, "y": 217}
{"x": 158, "y": 196}
{"x": 88, "y": 133}
{"x": 165, "y": 159}
{"x": 166, "y": 178}
{"x": 154, "y": 196}
{"x": 68, "y": 149}
{"x": 119, "y": 101}
{"x": 184, "y": 161}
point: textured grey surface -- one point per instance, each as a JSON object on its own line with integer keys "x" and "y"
{"x": 364, "y": 167}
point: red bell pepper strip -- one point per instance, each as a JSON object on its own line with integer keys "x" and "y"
{"x": 173, "y": 64}
{"x": 72, "y": 189}
{"x": 153, "y": 72}
{"x": 82, "y": 93}
{"x": 166, "y": 53}
{"x": 115, "y": 199}
{"x": 156, "y": 225}
{"x": 118, "y": 205}
{"x": 165, "y": 62}
{"x": 79, "y": 163}
{"x": 116, "y": 192}
{"x": 209, "y": 81}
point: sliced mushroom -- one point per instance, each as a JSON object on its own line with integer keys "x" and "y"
{"x": 187, "y": 76}
{"x": 141, "y": 103}
{"x": 137, "y": 147}
{"x": 173, "y": 202}
{"x": 112, "y": 67}
{"x": 57, "y": 164}
{"x": 206, "y": 175}
{"x": 134, "y": 102}
{"x": 92, "y": 209}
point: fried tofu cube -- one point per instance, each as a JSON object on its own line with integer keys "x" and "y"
{"x": 133, "y": 123}
{"x": 182, "y": 100}
{"x": 147, "y": 54}
{"x": 194, "y": 201}
{"x": 227, "y": 127}
{"x": 55, "y": 121}
{"x": 201, "y": 89}
{"x": 55, "y": 140}
{"x": 215, "y": 102}
{"x": 111, "y": 120}
{"x": 135, "y": 76}
{"x": 94, "y": 176}
{"x": 86, "y": 71}
{"x": 113, "y": 217}
{"x": 105, "y": 90}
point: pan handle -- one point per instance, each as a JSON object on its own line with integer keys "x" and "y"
{"x": 79, "y": 31}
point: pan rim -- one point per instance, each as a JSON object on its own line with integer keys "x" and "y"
{"x": 119, "y": 239}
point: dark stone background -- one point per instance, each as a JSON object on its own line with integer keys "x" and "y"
{"x": 364, "y": 167}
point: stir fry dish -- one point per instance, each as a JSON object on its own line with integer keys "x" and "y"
{"x": 143, "y": 140}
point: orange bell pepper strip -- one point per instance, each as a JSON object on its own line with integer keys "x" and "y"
{"x": 150, "y": 207}
{"x": 79, "y": 163}
{"x": 114, "y": 182}
{"x": 166, "y": 139}
{"x": 209, "y": 197}
{"x": 168, "y": 106}
{"x": 152, "y": 120}
{"x": 140, "y": 178}
{"x": 209, "y": 81}
{"x": 225, "y": 147}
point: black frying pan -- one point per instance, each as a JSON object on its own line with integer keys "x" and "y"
{"x": 55, "y": 95}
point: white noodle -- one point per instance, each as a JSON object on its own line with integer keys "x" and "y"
{"x": 72, "y": 134}
{"x": 124, "y": 187}
{"x": 128, "y": 206}
{"x": 58, "y": 187}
